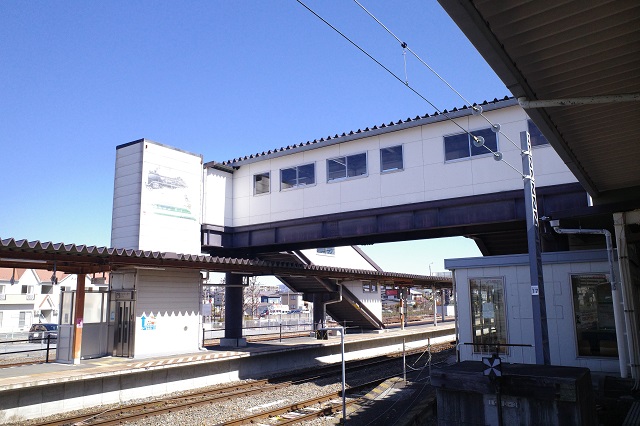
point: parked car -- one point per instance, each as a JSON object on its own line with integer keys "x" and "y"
{"x": 39, "y": 332}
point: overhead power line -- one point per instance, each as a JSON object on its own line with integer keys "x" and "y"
{"x": 405, "y": 47}
{"x": 476, "y": 109}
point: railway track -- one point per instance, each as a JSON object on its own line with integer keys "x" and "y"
{"x": 218, "y": 395}
{"x": 304, "y": 410}
{"x": 323, "y": 405}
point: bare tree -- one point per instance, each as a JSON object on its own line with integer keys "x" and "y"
{"x": 251, "y": 299}
{"x": 219, "y": 300}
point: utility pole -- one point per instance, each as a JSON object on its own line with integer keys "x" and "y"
{"x": 540, "y": 329}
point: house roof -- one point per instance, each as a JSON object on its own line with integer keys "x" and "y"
{"x": 7, "y": 273}
{"x": 44, "y": 276}
{"x": 364, "y": 133}
{"x": 73, "y": 258}
{"x": 574, "y": 53}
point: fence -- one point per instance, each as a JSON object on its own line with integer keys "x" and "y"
{"x": 47, "y": 344}
{"x": 266, "y": 328}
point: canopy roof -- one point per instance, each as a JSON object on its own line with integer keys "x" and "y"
{"x": 560, "y": 50}
{"x": 75, "y": 259}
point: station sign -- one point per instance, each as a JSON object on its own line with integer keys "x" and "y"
{"x": 123, "y": 295}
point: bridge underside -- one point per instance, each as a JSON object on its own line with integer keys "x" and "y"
{"x": 496, "y": 222}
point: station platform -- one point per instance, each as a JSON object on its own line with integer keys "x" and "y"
{"x": 40, "y": 390}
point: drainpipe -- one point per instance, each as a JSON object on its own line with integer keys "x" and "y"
{"x": 618, "y": 313}
{"x": 633, "y": 335}
{"x": 455, "y": 314}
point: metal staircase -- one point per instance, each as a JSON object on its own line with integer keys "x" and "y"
{"x": 349, "y": 311}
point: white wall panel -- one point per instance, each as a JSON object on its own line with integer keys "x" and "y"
{"x": 359, "y": 189}
{"x": 371, "y": 203}
{"x": 394, "y": 200}
{"x": 261, "y": 205}
{"x": 407, "y": 181}
{"x": 241, "y": 208}
{"x": 169, "y": 300}
{"x": 290, "y": 200}
{"x": 413, "y": 153}
{"x": 217, "y": 207}
{"x": 243, "y": 186}
{"x": 324, "y": 196}
{"x": 560, "y": 315}
{"x": 450, "y": 176}
{"x": 426, "y": 175}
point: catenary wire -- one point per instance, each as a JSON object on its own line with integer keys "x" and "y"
{"x": 405, "y": 47}
{"x": 385, "y": 68}
{"x": 406, "y": 84}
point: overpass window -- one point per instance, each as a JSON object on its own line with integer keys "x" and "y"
{"x": 391, "y": 159}
{"x": 346, "y": 167}
{"x": 298, "y": 176}
{"x": 331, "y": 251}
{"x": 594, "y": 319}
{"x": 537, "y": 138}
{"x": 461, "y": 146}
{"x": 488, "y": 316}
{"x": 261, "y": 183}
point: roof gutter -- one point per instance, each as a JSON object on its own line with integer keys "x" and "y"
{"x": 589, "y": 100}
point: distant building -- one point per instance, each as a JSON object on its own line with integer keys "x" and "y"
{"x": 30, "y": 296}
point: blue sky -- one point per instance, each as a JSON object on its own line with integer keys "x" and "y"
{"x": 219, "y": 78}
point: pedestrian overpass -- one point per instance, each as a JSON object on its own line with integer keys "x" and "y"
{"x": 419, "y": 178}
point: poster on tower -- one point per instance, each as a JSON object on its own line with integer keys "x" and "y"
{"x": 170, "y": 202}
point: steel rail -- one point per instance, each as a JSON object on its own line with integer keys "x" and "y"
{"x": 132, "y": 412}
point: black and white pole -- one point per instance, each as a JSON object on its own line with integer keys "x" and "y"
{"x": 344, "y": 378}
{"x": 540, "y": 329}
{"x": 404, "y": 362}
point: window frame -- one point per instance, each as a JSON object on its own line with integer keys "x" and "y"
{"x": 502, "y": 335}
{"x": 255, "y": 186}
{"x": 345, "y": 160}
{"x": 601, "y": 311}
{"x": 479, "y": 151}
{"x": 392, "y": 169}
{"x": 297, "y": 183}
{"x": 536, "y": 134}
